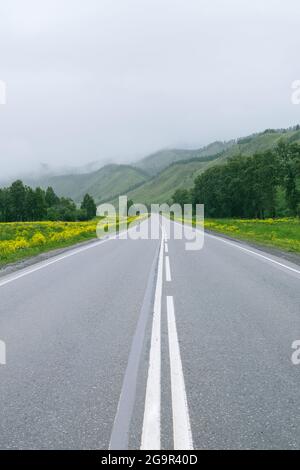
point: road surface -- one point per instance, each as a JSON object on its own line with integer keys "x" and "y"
{"x": 128, "y": 344}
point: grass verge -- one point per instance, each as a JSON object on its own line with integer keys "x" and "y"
{"x": 278, "y": 233}
{"x": 21, "y": 240}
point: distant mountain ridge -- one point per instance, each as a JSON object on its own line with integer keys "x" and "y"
{"x": 158, "y": 161}
{"x": 155, "y": 178}
{"x": 182, "y": 173}
{"x": 104, "y": 184}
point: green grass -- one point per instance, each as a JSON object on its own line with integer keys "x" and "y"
{"x": 279, "y": 233}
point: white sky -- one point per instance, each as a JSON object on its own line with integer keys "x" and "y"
{"x": 117, "y": 79}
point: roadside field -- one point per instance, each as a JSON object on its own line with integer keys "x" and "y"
{"x": 281, "y": 233}
{"x": 20, "y": 240}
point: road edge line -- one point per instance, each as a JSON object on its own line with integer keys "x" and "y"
{"x": 44, "y": 264}
{"x": 242, "y": 248}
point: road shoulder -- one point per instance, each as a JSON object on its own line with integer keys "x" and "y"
{"x": 25, "y": 263}
{"x": 285, "y": 255}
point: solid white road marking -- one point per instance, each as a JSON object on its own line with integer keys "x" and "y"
{"x": 254, "y": 253}
{"x": 56, "y": 259}
{"x": 151, "y": 423}
{"x": 236, "y": 245}
{"x": 181, "y": 421}
{"x": 168, "y": 270}
{"x": 44, "y": 264}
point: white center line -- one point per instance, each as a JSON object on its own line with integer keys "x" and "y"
{"x": 168, "y": 270}
{"x": 181, "y": 421}
{"x": 151, "y": 423}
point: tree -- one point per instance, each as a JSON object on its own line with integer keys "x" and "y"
{"x": 51, "y": 198}
{"x": 30, "y": 204}
{"x": 88, "y": 205}
{"x": 22, "y": 203}
{"x": 17, "y": 200}
{"x": 66, "y": 210}
{"x": 40, "y": 206}
{"x": 289, "y": 156}
{"x": 4, "y": 205}
{"x": 242, "y": 187}
{"x": 129, "y": 204}
{"x": 181, "y": 197}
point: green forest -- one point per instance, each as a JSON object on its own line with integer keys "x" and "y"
{"x": 263, "y": 185}
{"x": 21, "y": 203}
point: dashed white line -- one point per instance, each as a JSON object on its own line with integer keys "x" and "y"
{"x": 166, "y": 248}
{"x": 151, "y": 422}
{"x": 168, "y": 270}
{"x": 181, "y": 421}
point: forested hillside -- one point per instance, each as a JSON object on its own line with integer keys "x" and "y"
{"x": 103, "y": 184}
{"x": 181, "y": 175}
{"x": 156, "y": 177}
{"x": 157, "y": 162}
{"x": 266, "y": 184}
{"x": 178, "y": 175}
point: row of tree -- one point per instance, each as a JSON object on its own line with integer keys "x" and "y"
{"x": 21, "y": 203}
{"x": 263, "y": 185}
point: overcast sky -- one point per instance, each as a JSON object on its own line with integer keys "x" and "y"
{"x": 117, "y": 79}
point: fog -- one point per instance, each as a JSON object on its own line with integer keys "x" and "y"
{"x": 114, "y": 80}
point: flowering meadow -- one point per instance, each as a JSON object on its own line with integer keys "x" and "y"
{"x": 282, "y": 233}
{"x": 20, "y": 240}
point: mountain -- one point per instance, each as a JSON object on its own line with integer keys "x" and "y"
{"x": 104, "y": 184}
{"x": 157, "y": 162}
{"x": 181, "y": 174}
{"x": 155, "y": 178}
{"x": 178, "y": 175}
{"x": 263, "y": 141}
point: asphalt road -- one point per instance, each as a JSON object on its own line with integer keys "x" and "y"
{"x": 143, "y": 344}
